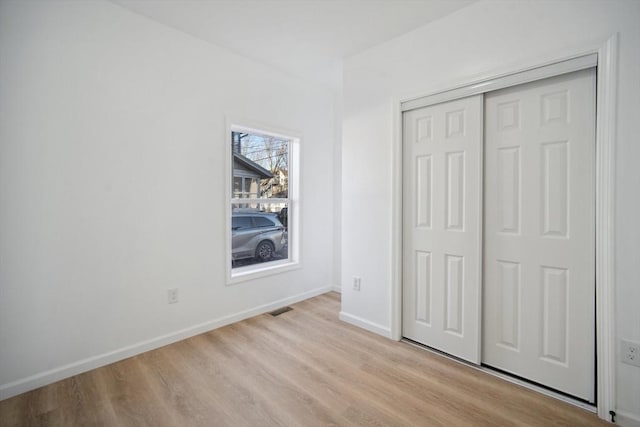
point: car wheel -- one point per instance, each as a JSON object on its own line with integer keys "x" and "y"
{"x": 264, "y": 251}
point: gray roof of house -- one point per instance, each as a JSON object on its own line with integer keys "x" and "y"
{"x": 251, "y": 165}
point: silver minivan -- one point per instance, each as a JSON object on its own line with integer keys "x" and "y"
{"x": 256, "y": 235}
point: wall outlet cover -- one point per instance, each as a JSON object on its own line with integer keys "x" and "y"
{"x": 172, "y": 296}
{"x": 630, "y": 352}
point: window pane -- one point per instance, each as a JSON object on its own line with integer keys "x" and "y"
{"x": 259, "y": 234}
{"x": 261, "y": 221}
{"x": 253, "y": 188}
{"x": 237, "y": 186}
{"x": 263, "y": 161}
{"x": 241, "y": 222}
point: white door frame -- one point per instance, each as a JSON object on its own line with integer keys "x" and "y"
{"x": 606, "y": 52}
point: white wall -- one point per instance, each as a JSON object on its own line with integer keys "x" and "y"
{"x": 486, "y": 37}
{"x": 112, "y": 131}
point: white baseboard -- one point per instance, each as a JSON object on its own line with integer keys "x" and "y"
{"x": 365, "y": 324}
{"x": 337, "y": 288}
{"x": 47, "y": 377}
{"x": 626, "y": 419}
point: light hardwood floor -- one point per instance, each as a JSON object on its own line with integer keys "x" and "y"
{"x": 302, "y": 368}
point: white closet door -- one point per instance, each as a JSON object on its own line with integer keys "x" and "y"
{"x": 442, "y": 167}
{"x": 539, "y": 243}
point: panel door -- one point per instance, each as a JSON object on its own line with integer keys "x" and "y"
{"x": 539, "y": 243}
{"x": 442, "y": 175}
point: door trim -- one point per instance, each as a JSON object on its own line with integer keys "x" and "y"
{"x": 606, "y": 52}
{"x": 508, "y": 80}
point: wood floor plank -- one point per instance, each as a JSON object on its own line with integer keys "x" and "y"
{"x": 301, "y": 368}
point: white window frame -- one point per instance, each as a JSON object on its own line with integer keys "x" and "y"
{"x": 245, "y": 273}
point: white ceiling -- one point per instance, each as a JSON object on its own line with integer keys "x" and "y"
{"x": 307, "y": 38}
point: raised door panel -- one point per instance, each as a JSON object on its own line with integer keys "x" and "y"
{"x": 555, "y": 307}
{"x": 454, "y": 192}
{"x": 555, "y": 190}
{"x": 509, "y": 304}
{"x": 423, "y": 287}
{"x": 453, "y": 284}
{"x": 423, "y": 191}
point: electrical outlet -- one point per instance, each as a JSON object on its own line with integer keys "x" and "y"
{"x": 172, "y": 295}
{"x": 630, "y": 352}
{"x": 356, "y": 283}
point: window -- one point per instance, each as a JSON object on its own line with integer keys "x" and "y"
{"x": 262, "y": 203}
{"x": 239, "y": 223}
{"x": 245, "y": 187}
{"x": 260, "y": 221}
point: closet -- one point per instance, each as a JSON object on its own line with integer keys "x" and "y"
{"x": 499, "y": 229}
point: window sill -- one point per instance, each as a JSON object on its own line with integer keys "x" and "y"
{"x": 244, "y": 274}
